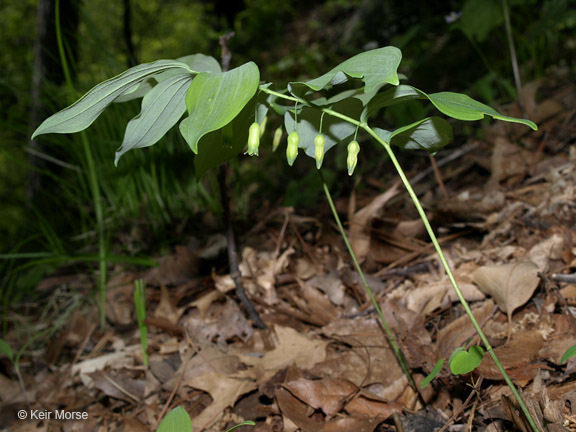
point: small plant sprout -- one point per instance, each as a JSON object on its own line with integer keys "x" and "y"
{"x": 140, "y": 305}
{"x": 570, "y": 352}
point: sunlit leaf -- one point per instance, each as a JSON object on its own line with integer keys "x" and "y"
{"x": 213, "y": 100}
{"x": 83, "y": 112}
{"x": 570, "y": 352}
{"x": 463, "y": 362}
{"x": 176, "y": 420}
{"x": 455, "y": 105}
{"x": 162, "y": 107}
{"x": 375, "y": 68}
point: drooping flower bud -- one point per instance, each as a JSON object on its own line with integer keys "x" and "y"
{"x": 319, "y": 143}
{"x": 253, "y": 139}
{"x": 277, "y": 138}
{"x": 292, "y": 148}
{"x": 352, "y": 160}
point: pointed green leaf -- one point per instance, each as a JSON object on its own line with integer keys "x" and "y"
{"x": 375, "y": 68}
{"x": 463, "y": 107}
{"x": 463, "y": 361}
{"x": 83, "y": 112}
{"x": 176, "y": 420}
{"x": 162, "y": 107}
{"x": 435, "y": 371}
{"x": 334, "y": 129}
{"x": 570, "y": 352}
{"x": 391, "y": 96}
{"x": 430, "y": 134}
{"x": 213, "y": 100}
{"x": 226, "y": 143}
{"x": 201, "y": 63}
{"x": 455, "y": 105}
{"x": 6, "y": 349}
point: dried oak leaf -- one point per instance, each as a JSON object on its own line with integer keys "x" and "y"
{"x": 510, "y": 285}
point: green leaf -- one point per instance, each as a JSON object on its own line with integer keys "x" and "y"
{"x": 462, "y": 362}
{"x": 391, "y": 96}
{"x": 435, "y": 371}
{"x": 463, "y": 107}
{"x": 196, "y": 62}
{"x": 334, "y": 129}
{"x": 570, "y": 352}
{"x": 375, "y": 68}
{"x": 201, "y": 63}
{"x": 455, "y": 105}
{"x": 430, "y": 134}
{"x": 176, "y": 420}
{"x": 162, "y": 107}
{"x": 83, "y": 112}
{"x": 213, "y": 100}
{"x": 226, "y": 143}
{"x": 6, "y": 349}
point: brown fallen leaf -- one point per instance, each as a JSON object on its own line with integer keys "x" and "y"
{"x": 298, "y": 412}
{"x": 361, "y": 221}
{"x": 328, "y": 394}
{"x": 510, "y": 285}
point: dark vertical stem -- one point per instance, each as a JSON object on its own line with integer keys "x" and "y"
{"x": 225, "y": 200}
{"x": 127, "y": 34}
{"x": 233, "y": 251}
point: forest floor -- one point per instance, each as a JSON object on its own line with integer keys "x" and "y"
{"x": 505, "y": 213}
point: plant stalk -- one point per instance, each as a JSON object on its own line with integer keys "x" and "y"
{"x": 389, "y": 334}
{"x": 436, "y": 244}
{"x": 450, "y": 275}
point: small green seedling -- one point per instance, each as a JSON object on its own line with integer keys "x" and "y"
{"x": 7, "y": 350}
{"x": 463, "y": 362}
{"x": 570, "y": 352}
{"x": 435, "y": 371}
{"x": 140, "y": 304}
{"x": 178, "y": 420}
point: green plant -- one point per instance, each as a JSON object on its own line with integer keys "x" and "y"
{"x": 570, "y": 352}
{"x": 140, "y": 305}
{"x": 178, "y": 420}
{"x": 222, "y": 105}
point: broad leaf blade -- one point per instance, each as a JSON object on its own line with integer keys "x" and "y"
{"x": 375, "y": 68}
{"x": 176, "y": 420}
{"x": 430, "y": 134}
{"x": 464, "y": 362}
{"x": 213, "y": 100}
{"x": 463, "y": 107}
{"x": 390, "y": 97}
{"x": 83, "y": 112}
{"x": 162, "y": 107}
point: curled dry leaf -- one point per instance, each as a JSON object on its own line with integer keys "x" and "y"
{"x": 510, "y": 285}
{"x": 361, "y": 222}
